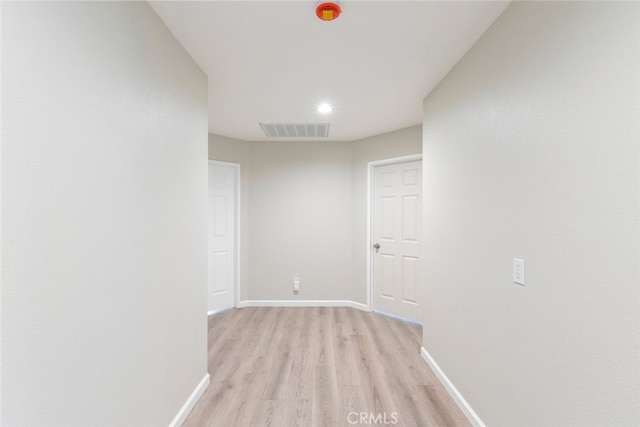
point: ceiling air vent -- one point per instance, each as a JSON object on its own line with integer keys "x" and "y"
{"x": 296, "y": 130}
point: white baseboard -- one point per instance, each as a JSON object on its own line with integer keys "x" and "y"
{"x": 358, "y": 306}
{"x": 471, "y": 415}
{"x": 303, "y": 303}
{"x": 190, "y": 403}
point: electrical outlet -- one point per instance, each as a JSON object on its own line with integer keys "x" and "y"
{"x": 296, "y": 284}
{"x": 518, "y": 271}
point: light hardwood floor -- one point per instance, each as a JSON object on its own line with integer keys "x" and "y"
{"x": 324, "y": 366}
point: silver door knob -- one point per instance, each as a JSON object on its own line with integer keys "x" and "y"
{"x": 376, "y": 247}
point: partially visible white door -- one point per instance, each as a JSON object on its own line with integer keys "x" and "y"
{"x": 223, "y": 185}
{"x": 397, "y": 231}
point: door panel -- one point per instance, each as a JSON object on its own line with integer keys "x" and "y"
{"x": 409, "y": 278}
{"x": 386, "y": 275}
{"x": 397, "y": 228}
{"x": 409, "y": 224}
{"x": 222, "y": 236}
{"x": 220, "y": 271}
{"x": 220, "y": 213}
{"x": 386, "y": 217}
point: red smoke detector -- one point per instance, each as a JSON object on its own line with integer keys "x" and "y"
{"x": 328, "y": 11}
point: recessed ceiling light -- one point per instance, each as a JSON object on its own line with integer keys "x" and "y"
{"x": 324, "y": 108}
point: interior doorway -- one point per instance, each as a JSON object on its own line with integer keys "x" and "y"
{"x": 395, "y": 236}
{"x": 223, "y": 236}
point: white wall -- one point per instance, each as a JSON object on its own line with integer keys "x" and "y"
{"x": 392, "y": 144}
{"x": 299, "y": 220}
{"x": 531, "y": 148}
{"x": 104, "y": 146}
{"x": 236, "y": 151}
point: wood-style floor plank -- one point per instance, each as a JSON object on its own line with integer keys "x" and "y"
{"x": 307, "y": 367}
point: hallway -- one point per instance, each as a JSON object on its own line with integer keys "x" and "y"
{"x": 318, "y": 366}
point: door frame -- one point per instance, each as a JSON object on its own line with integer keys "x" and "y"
{"x": 370, "y": 205}
{"x": 236, "y": 237}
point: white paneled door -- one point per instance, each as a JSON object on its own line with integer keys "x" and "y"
{"x": 223, "y": 197}
{"x": 397, "y": 234}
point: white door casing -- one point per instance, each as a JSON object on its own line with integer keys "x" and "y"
{"x": 396, "y": 219}
{"x": 223, "y": 235}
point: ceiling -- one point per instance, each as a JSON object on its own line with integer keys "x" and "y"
{"x": 276, "y": 61}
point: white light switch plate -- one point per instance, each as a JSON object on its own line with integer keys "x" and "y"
{"x": 518, "y": 271}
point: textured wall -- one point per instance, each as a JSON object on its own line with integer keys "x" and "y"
{"x": 104, "y": 183}
{"x": 531, "y": 148}
{"x": 299, "y": 220}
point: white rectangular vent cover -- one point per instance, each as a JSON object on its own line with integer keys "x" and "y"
{"x": 296, "y": 130}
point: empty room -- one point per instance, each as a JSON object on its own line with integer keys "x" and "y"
{"x": 307, "y": 213}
